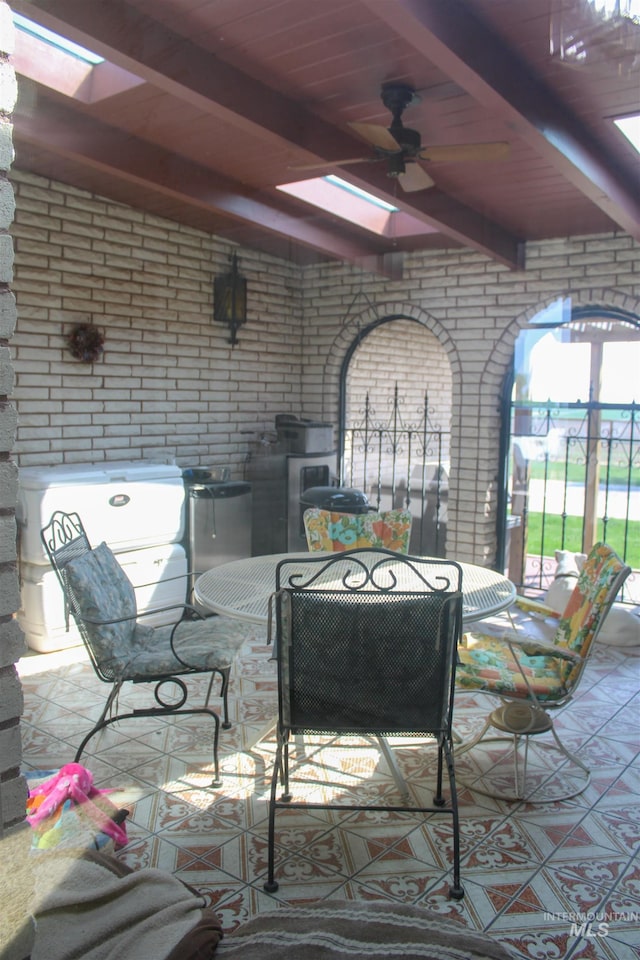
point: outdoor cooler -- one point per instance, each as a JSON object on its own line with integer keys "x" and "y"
{"x": 136, "y": 507}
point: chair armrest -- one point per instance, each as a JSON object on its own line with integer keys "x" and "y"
{"x": 537, "y": 608}
{"x": 148, "y": 613}
{"x": 177, "y": 576}
{"x": 539, "y": 648}
{"x": 103, "y": 623}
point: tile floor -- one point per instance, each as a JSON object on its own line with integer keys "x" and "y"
{"x": 533, "y": 873}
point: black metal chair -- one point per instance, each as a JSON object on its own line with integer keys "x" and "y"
{"x": 366, "y": 646}
{"x": 121, "y": 648}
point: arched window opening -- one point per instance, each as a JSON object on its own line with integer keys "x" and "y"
{"x": 573, "y": 452}
{"x": 396, "y": 414}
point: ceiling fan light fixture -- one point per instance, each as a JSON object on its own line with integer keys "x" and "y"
{"x": 396, "y": 165}
{"x": 596, "y": 33}
{"x": 400, "y": 147}
{"x": 611, "y": 9}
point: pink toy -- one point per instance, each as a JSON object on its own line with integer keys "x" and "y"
{"x": 72, "y": 782}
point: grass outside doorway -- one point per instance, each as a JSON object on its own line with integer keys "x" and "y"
{"x": 553, "y": 536}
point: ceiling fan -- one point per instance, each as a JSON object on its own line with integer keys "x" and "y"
{"x": 402, "y": 147}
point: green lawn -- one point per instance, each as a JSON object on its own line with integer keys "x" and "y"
{"x": 573, "y": 536}
{"x": 575, "y": 473}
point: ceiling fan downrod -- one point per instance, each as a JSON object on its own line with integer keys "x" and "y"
{"x": 396, "y": 97}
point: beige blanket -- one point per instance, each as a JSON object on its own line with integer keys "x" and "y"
{"x": 85, "y": 911}
{"x": 92, "y": 907}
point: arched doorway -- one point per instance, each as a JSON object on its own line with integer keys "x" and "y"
{"x": 396, "y": 389}
{"x": 572, "y": 440}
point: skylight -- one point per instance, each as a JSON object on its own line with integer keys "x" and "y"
{"x": 630, "y": 126}
{"x": 334, "y": 195}
{"x": 369, "y": 197}
{"x": 55, "y": 62}
{"x": 56, "y": 40}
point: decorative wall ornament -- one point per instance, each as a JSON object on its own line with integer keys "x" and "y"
{"x": 86, "y": 343}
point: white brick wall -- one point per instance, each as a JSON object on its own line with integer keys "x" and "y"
{"x": 475, "y": 308}
{"x": 169, "y": 384}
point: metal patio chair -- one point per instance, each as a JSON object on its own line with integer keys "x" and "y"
{"x": 531, "y": 676}
{"x": 365, "y": 644}
{"x": 327, "y": 530}
{"x": 101, "y": 599}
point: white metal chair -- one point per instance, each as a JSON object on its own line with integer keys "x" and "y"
{"x": 532, "y": 676}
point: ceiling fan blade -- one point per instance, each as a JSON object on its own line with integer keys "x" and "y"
{"x": 324, "y": 165}
{"x": 375, "y": 135}
{"x": 414, "y": 178}
{"x": 466, "y": 152}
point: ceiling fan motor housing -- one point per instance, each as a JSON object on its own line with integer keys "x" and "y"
{"x": 409, "y": 140}
{"x": 397, "y": 96}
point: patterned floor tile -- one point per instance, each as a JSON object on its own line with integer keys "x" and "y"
{"x": 41, "y": 751}
{"x": 407, "y": 884}
{"x": 531, "y": 872}
{"x": 582, "y": 886}
{"x": 567, "y": 835}
{"x": 234, "y": 905}
{"x": 617, "y": 828}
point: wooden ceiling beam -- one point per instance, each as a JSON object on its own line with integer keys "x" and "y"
{"x": 55, "y": 128}
{"x": 138, "y": 44}
{"x": 464, "y": 225}
{"x": 474, "y": 57}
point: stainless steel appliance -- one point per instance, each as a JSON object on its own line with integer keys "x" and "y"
{"x": 218, "y": 522}
{"x": 296, "y": 435}
{"x": 279, "y": 481}
{"x": 301, "y": 455}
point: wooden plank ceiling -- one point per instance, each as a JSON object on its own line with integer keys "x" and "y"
{"x": 203, "y": 108}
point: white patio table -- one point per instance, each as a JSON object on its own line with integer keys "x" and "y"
{"x": 241, "y": 588}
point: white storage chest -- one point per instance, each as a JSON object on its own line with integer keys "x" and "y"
{"x": 42, "y": 612}
{"x": 129, "y": 504}
{"x": 136, "y": 507}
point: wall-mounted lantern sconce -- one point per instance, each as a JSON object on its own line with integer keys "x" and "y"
{"x": 230, "y": 300}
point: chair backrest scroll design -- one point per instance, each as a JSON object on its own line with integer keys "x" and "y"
{"x": 367, "y": 642}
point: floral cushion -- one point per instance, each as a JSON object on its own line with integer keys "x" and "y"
{"x": 487, "y": 663}
{"x": 334, "y": 532}
{"x": 582, "y": 615}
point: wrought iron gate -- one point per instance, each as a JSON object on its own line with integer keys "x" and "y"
{"x": 574, "y": 479}
{"x": 400, "y": 458}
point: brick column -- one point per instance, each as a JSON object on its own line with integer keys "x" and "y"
{"x": 16, "y": 928}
